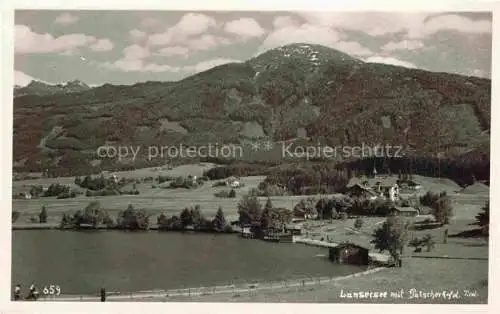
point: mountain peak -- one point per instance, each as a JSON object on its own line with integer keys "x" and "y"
{"x": 76, "y": 83}
{"x": 43, "y": 88}
{"x": 311, "y": 54}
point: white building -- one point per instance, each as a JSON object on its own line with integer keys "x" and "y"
{"x": 233, "y": 182}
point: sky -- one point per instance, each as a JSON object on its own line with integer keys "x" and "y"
{"x": 126, "y": 47}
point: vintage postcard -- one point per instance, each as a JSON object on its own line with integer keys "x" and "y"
{"x": 251, "y": 156}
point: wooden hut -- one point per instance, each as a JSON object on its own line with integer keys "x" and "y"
{"x": 349, "y": 253}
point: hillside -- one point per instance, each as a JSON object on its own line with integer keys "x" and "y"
{"x": 291, "y": 91}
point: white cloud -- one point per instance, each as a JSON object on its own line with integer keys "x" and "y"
{"x": 66, "y": 19}
{"x": 173, "y": 51}
{"x": 137, "y": 35}
{"x": 306, "y": 33}
{"x": 137, "y": 65}
{"x": 206, "y": 42}
{"x": 190, "y": 24}
{"x": 391, "y": 61}
{"x": 413, "y": 24}
{"x": 372, "y": 23}
{"x": 22, "y": 79}
{"x": 194, "y": 24}
{"x": 403, "y": 45}
{"x": 27, "y": 41}
{"x": 102, "y": 45}
{"x": 352, "y": 48}
{"x": 245, "y": 27}
{"x": 284, "y": 21}
{"x": 452, "y": 22}
{"x": 136, "y": 52}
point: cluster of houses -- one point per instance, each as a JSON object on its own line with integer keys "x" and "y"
{"x": 354, "y": 248}
{"x": 383, "y": 187}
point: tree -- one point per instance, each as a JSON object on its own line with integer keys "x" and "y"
{"x": 219, "y": 223}
{"x": 392, "y": 237}
{"x": 197, "y": 217}
{"x": 483, "y": 218}
{"x": 358, "y": 223}
{"x": 92, "y": 214}
{"x": 43, "y": 215}
{"x": 305, "y": 208}
{"x": 269, "y": 204}
{"x": 133, "y": 219}
{"x": 66, "y": 220}
{"x": 266, "y": 219}
{"x": 442, "y": 210}
{"x": 281, "y": 217}
{"x": 415, "y": 243}
{"x": 249, "y": 210}
{"x": 428, "y": 241}
{"x": 186, "y": 217}
{"x": 326, "y": 208}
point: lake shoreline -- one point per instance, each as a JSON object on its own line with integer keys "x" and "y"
{"x": 49, "y": 226}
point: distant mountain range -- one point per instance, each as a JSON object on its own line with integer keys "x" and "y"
{"x": 43, "y": 89}
{"x": 296, "y": 92}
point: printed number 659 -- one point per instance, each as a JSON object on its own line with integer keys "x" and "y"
{"x": 52, "y": 290}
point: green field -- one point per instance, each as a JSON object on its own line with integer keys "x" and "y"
{"x": 172, "y": 201}
{"x": 154, "y": 200}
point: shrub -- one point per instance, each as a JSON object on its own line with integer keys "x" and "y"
{"x": 225, "y": 194}
{"x": 15, "y": 215}
{"x": 186, "y": 183}
{"x": 56, "y": 190}
{"x": 162, "y": 179}
{"x": 43, "y": 215}
{"x": 358, "y": 223}
{"x": 219, "y": 184}
{"x": 442, "y": 210}
{"x": 430, "y": 198}
{"x": 68, "y": 194}
{"x": 36, "y": 191}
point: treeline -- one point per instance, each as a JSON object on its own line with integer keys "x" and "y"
{"x": 437, "y": 204}
{"x": 461, "y": 170}
{"x": 93, "y": 216}
{"x": 193, "y": 219}
{"x": 343, "y": 207}
{"x": 58, "y": 190}
{"x": 237, "y": 170}
{"x": 325, "y": 177}
{"x": 261, "y": 219}
{"x": 316, "y": 178}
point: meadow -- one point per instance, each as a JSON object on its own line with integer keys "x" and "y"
{"x": 158, "y": 200}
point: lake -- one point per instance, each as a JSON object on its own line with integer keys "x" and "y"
{"x": 83, "y": 262}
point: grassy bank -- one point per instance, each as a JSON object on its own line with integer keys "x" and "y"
{"x": 419, "y": 274}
